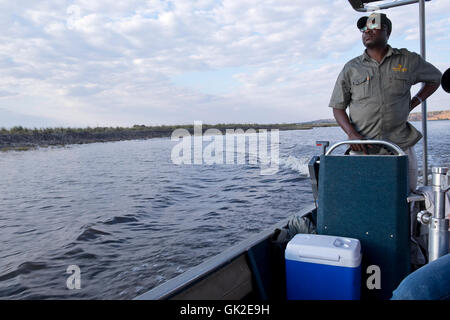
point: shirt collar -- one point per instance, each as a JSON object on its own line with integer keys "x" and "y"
{"x": 366, "y": 57}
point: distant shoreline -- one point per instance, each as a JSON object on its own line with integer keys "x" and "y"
{"x": 22, "y": 139}
{"x": 431, "y": 115}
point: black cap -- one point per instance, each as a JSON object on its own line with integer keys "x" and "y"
{"x": 383, "y": 20}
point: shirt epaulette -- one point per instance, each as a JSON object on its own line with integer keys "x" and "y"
{"x": 403, "y": 51}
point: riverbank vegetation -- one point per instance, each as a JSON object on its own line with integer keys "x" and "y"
{"x": 20, "y": 138}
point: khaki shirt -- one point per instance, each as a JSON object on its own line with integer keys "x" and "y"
{"x": 378, "y": 94}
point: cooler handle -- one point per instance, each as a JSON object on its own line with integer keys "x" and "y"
{"x": 324, "y": 257}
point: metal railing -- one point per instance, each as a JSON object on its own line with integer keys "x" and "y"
{"x": 394, "y": 147}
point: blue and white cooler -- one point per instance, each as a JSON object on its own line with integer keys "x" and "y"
{"x": 321, "y": 267}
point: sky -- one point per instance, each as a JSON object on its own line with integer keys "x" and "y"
{"x": 119, "y": 63}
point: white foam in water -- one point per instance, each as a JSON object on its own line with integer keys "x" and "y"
{"x": 297, "y": 164}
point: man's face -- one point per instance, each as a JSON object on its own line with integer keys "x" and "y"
{"x": 375, "y": 38}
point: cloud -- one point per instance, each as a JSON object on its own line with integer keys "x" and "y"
{"x": 4, "y": 93}
{"x": 124, "y": 62}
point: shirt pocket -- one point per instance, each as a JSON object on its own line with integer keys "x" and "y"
{"x": 398, "y": 85}
{"x": 361, "y": 87}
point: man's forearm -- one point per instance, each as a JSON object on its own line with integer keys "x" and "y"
{"x": 344, "y": 122}
{"x": 342, "y": 119}
{"x": 423, "y": 94}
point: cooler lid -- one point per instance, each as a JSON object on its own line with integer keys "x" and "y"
{"x": 324, "y": 249}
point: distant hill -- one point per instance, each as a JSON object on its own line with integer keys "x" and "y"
{"x": 322, "y": 121}
{"x": 431, "y": 115}
{"x": 416, "y": 116}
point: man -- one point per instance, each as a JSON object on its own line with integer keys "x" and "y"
{"x": 430, "y": 282}
{"x": 376, "y": 88}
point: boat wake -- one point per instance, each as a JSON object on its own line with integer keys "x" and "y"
{"x": 299, "y": 165}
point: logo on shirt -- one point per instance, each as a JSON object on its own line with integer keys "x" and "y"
{"x": 400, "y": 68}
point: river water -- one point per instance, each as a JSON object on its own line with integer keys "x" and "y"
{"x": 130, "y": 218}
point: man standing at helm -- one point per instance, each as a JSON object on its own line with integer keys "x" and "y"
{"x": 376, "y": 88}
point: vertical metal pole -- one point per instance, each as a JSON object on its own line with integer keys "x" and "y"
{"x": 438, "y": 229}
{"x": 424, "y": 103}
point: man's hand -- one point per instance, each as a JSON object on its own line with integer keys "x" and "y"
{"x": 358, "y": 147}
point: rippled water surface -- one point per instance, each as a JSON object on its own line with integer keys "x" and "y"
{"x": 131, "y": 219}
